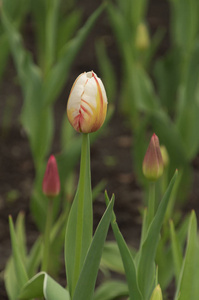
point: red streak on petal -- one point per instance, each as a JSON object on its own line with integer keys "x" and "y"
{"x": 77, "y": 122}
{"x": 100, "y": 93}
{"x": 85, "y": 110}
{"x": 82, "y": 100}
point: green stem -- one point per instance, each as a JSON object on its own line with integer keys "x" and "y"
{"x": 52, "y": 10}
{"x": 151, "y": 203}
{"x": 46, "y": 243}
{"x": 80, "y": 208}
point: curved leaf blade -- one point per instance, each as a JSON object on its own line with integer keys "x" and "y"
{"x": 42, "y": 285}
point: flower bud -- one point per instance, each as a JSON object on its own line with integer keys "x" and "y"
{"x": 165, "y": 155}
{"x": 142, "y": 40}
{"x": 153, "y": 164}
{"x": 87, "y": 103}
{"x": 157, "y": 293}
{"x": 51, "y": 181}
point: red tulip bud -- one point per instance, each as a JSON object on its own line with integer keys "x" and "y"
{"x": 153, "y": 162}
{"x": 51, "y": 181}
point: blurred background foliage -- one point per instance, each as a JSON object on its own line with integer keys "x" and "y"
{"x": 159, "y": 92}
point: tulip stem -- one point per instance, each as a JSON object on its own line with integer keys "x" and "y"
{"x": 151, "y": 203}
{"x": 85, "y": 163}
{"x": 46, "y": 241}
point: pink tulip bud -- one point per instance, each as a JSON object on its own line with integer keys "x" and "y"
{"x": 87, "y": 103}
{"x": 153, "y": 164}
{"x": 51, "y": 181}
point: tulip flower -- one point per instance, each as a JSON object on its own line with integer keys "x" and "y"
{"x": 153, "y": 162}
{"x": 51, "y": 181}
{"x": 87, "y": 103}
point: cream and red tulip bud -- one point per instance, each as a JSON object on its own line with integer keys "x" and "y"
{"x": 87, "y": 103}
{"x": 51, "y": 181}
{"x": 153, "y": 163}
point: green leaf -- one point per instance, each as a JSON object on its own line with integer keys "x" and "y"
{"x": 143, "y": 91}
{"x": 188, "y": 287}
{"x": 107, "y": 71}
{"x": 110, "y": 290}
{"x": 20, "y": 269}
{"x": 68, "y": 27}
{"x": 33, "y": 288}
{"x": 80, "y": 221}
{"x": 176, "y": 251}
{"x": 111, "y": 258}
{"x": 167, "y": 74}
{"x": 52, "y": 290}
{"x": 37, "y": 119}
{"x": 34, "y": 257}
{"x": 184, "y": 22}
{"x": 188, "y": 107}
{"x": 86, "y": 282}
{"x": 38, "y": 14}
{"x": 51, "y": 24}
{"x": 128, "y": 262}
{"x": 58, "y": 76}
{"x": 164, "y": 262}
{"x": 121, "y": 31}
{"x": 11, "y": 280}
{"x": 12, "y": 275}
{"x": 21, "y": 235}
{"x": 42, "y": 285}
{"x": 146, "y": 261}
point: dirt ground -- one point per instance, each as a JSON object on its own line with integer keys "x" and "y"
{"x": 111, "y": 157}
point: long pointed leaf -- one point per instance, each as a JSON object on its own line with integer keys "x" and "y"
{"x": 188, "y": 287}
{"x": 10, "y": 279}
{"x": 176, "y": 251}
{"x": 20, "y": 269}
{"x": 128, "y": 262}
{"x": 146, "y": 263}
{"x": 86, "y": 283}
